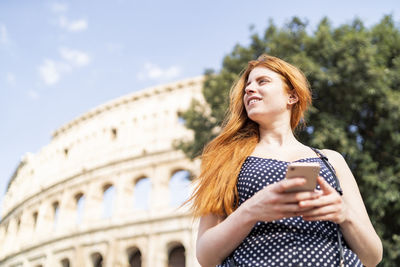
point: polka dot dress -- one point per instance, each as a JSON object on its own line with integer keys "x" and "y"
{"x": 287, "y": 242}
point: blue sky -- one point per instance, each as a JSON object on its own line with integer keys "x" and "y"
{"x": 58, "y": 59}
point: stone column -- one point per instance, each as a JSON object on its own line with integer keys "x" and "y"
{"x": 93, "y": 204}
{"x": 123, "y": 196}
{"x": 160, "y": 191}
{"x": 67, "y": 212}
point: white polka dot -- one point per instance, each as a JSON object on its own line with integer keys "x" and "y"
{"x": 291, "y": 241}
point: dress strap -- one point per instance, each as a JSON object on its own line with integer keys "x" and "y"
{"x": 340, "y": 191}
{"x": 329, "y": 166}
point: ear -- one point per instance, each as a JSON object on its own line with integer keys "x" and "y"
{"x": 293, "y": 98}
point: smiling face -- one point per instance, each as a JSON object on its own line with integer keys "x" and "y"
{"x": 266, "y": 97}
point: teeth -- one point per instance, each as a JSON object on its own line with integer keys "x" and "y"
{"x": 253, "y": 101}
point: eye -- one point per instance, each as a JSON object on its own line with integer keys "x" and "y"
{"x": 263, "y": 81}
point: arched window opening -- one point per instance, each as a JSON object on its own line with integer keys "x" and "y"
{"x": 18, "y": 224}
{"x": 108, "y": 200}
{"x": 80, "y": 204}
{"x": 97, "y": 260}
{"x": 135, "y": 258}
{"x": 56, "y": 209}
{"x": 176, "y": 257}
{"x": 114, "y": 133}
{"x": 179, "y": 187}
{"x": 180, "y": 118}
{"x": 35, "y": 218}
{"x": 65, "y": 262}
{"x": 141, "y": 194}
{"x": 6, "y": 226}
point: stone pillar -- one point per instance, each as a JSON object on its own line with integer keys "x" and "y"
{"x": 151, "y": 255}
{"x": 24, "y": 228}
{"x": 160, "y": 191}
{"x": 123, "y": 196}
{"x": 2, "y": 240}
{"x": 67, "y": 212}
{"x": 93, "y": 204}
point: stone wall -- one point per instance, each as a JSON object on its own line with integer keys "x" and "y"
{"x": 79, "y": 201}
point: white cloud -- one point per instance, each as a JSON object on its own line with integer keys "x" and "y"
{"x": 73, "y": 26}
{"x": 3, "y": 34}
{"x": 154, "y": 72}
{"x": 10, "y": 77}
{"x": 59, "y": 7}
{"x": 51, "y": 71}
{"x": 74, "y": 57}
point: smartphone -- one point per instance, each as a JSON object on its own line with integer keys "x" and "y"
{"x": 307, "y": 170}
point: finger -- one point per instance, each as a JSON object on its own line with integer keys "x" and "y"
{"x": 328, "y": 217}
{"x": 301, "y": 196}
{"x": 320, "y": 202}
{"x": 320, "y": 211}
{"x": 284, "y": 208}
{"x": 286, "y": 184}
{"x": 325, "y": 186}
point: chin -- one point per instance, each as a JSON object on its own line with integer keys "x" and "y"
{"x": 256, "y": 117}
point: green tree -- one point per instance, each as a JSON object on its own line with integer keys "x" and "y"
{"x": 354, "y": 73}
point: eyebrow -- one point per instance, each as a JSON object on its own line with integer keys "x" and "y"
{"x": 259, "y": 78}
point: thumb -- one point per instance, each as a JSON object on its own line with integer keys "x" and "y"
{"x": 325, "y": 186}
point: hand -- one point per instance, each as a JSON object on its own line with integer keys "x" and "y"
{"x": 328, "y": 207}
{"x": 274, "y": 203}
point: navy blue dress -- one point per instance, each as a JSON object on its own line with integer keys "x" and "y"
{"x": 287, "y": 242}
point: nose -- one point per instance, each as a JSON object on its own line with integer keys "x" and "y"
{"x": 250, "y": 89}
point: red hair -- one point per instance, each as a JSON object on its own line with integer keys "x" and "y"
{"x": 222, "y": 159}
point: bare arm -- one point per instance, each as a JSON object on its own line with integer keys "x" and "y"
{"x": 218, "y": 237}
{"x": 348, "y": 211}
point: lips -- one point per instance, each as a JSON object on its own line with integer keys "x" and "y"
{"x": 253, "y": 99}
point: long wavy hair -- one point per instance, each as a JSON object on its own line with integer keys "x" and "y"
{"x": 215, "y": 189}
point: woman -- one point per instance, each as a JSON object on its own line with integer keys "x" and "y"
{"x": 245, "y": 213}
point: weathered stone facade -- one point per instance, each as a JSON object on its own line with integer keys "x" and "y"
{"x": 54, "y": 209}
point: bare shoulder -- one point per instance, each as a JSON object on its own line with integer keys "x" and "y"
{"x": 340, "y": 165}
{"x": 334, "y": 157}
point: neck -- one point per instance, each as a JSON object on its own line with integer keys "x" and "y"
{"x": 277, "y": 135}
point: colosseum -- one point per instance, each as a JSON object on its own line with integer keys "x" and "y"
{"x": 107, "y": 190}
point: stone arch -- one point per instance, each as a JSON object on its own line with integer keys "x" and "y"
{"x": 2, "y": 237}
{"x": 135, "y": 257}
{"x": 17, "y": 223}
{"x": 176, "y": 254}
{"x": 2, "y": 231}
{"x": 79, "y": 207}
{"x": 142, "y": 192}
{"x": 35, "y": 216}
{"x": 88, "y": 166}
{"x": 176, "y": 169}
{"x": 179, "y": 186}
{"x": 65, "y": 262}
{"x": 96, "y": 259}
{"x": 108, "y": 199}
{"x": 55, "y": 213}
{"x": 8, "y": 234}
